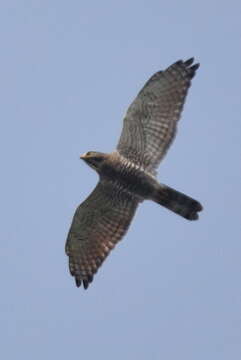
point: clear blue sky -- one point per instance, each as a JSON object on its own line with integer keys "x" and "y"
{"x": 171, "y": 289}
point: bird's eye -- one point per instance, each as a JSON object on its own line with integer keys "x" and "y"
{"x": 88, "y": 153}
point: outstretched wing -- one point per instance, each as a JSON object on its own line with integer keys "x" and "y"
{"x": 98, "y": 224}
{"x": 151, "y": 120}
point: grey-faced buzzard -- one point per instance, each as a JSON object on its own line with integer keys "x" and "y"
{"x": 127, "y": 176}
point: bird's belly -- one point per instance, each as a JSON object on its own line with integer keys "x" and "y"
{"x": 134, "y": 181}
{"x": 138, "y": 184}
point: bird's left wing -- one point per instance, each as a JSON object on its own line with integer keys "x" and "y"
{"x": 98, "y": 224}
{"x": 151, "y": 120}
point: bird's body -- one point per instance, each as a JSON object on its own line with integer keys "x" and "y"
{"x": 127, "y": 176}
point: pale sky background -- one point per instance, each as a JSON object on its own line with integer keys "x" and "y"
{"x": 171, "y": 289}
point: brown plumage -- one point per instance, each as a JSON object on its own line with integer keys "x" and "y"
{"x": 128, "y": 175}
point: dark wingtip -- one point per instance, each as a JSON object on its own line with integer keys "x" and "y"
{"x": 178, "y": 62}
{"x": 195, "y": 66}
{"x": 86, "y": 284}
{"x": 189, "y": 62}
{"x": 90, "y": 278}
{"x": 191, "y": 69}
{"x": 77, "y": 282}
{"x": 187, "y": 65}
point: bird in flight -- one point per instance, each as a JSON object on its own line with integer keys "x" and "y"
{"x": 127, "y": 176}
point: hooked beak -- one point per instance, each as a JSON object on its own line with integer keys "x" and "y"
{"x": 83, "y": 157}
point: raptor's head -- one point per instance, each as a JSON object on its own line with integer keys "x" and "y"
{"x": 94, "y": 159}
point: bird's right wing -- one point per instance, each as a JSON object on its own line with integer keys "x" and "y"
{"x": 151, "y": 120}
{"x": 98, "y": 224}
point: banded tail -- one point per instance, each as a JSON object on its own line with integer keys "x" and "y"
{"x": 178, "y": 202}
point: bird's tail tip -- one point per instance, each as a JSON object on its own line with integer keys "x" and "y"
{"x": 178, "y": 202}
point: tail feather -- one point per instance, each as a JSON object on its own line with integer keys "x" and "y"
{"x": 178, "y": 202}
